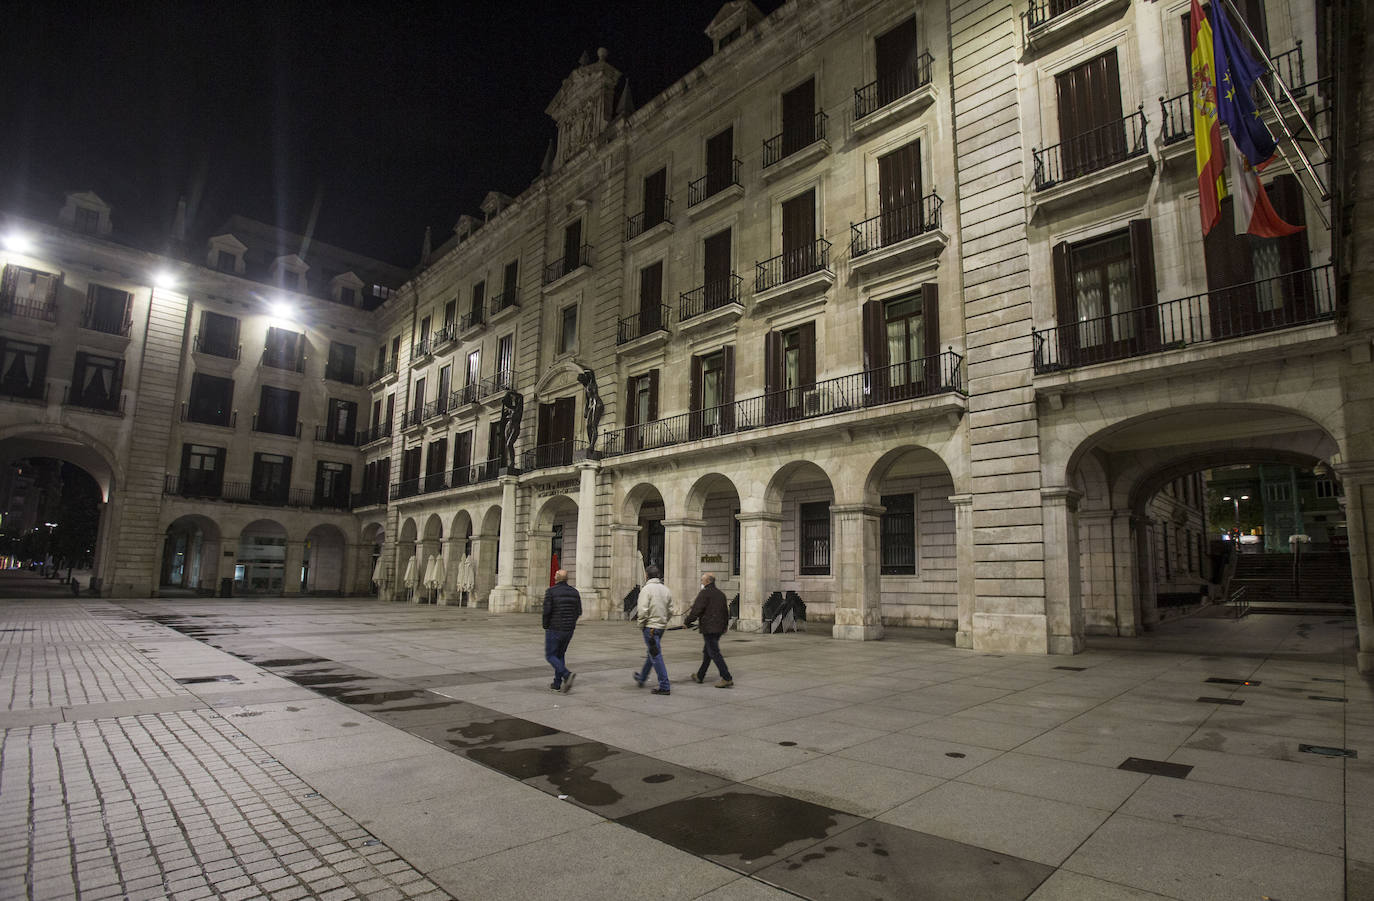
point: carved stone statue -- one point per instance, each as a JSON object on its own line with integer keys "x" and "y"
{"x": 592, "y": 409}
{"x": 512, "y": 411}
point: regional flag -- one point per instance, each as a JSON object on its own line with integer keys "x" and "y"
{"x": 1206, "y": 126}
{"x": 1254, "y": 213}
{"x": 1236, "y": 76}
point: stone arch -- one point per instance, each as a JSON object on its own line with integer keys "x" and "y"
{"x": 791, "y": 472}
{"x": 191, "y": 554}
{"x": 706, "y": 485}
{"x": 61, "y": 442}
{"x": 261, "y": 558}
{"x": 635, "y": 499}
{"x": 434, "y": 527}
{"x": 402, "y": 587}
{"x": 325, "y": 560}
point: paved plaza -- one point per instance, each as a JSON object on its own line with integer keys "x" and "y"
{"x": 351, "y": 749}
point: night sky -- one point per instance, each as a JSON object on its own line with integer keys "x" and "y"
{"x": 395, "y": 116}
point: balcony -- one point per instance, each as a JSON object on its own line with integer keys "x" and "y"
{"x": 471, "y": 322}
{"x": 649, "y": 321}
{"x": 422, "y": 349}
{"x": 442, "y": 481}
{"x": 216, "y": 347}
{"x": 1049, "y": 22}
{"x": 461, "y": 397}
{"x": 795, "y": 148}
{"x": 913, "y": 380}
{"x": 1098, "y": 165}
{"x": 894, "y": 98}
{"x": 499, "y": 305}
{"x": 902, "y": 235}
{"x": 353, "y": 377}
{"x": 328, "y": 435}
{"x": 1176, "y": 113}
{"x": 247, "y": 493}
{"x": 566, "y": 265}
{"x": 223, "y": 418}
{"x": 95, "y": 401}
{"x": 714, "y": 189}
{"x": 435, "y": 409}
{"x": 267, "y": 425}
{"x": 407, "y": 488}
{"x": 290, "y": 362}
{"x": 110, "y": 322}
{"x": 33, "y": 390}
{"x": 557, "y": 453}
{"x": 1286, "y": 301}
{"x": 383, "y": 372}
{"x": 412, "y": 419}
{"x": 370, "y": 497}
{"x": 376, "y": 433}
{"x": 445, "y": 335}
{"x": 802, "y": 270}
{"x": 29, "y": 308}
{"x": 650, "y": 223}
{"x": 494, "y": 387}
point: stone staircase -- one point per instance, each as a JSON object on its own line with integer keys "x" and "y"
{"x": 1321, "y": 583}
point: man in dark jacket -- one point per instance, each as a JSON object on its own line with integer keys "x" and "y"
{"x": 562, "y": 607}
{"x": 714, "y": 615}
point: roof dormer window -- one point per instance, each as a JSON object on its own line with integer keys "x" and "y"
{"x": 87, "y": 220}
{"x": 289, "y": 272}
{"x": 225, "y": 254}
{"x": 85, "y": 212}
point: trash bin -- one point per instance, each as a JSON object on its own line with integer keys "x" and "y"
{"x": 226, "y": 588}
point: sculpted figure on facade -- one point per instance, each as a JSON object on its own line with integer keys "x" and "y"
{"x": 593, "y": 409}
{"x": 512, "y": 411}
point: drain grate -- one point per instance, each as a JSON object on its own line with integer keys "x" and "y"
{"x": 198, "y": 680}
{"x": 1232, "y": 701}
{"x": 1072, "y": 669}
{"x": 1217, "y": 680}
{"x": 1327, "y": 698}
{"x": 1156, "y": 767}
{"x": 1327, "y": 751}
{"x": 1327, "y": 679}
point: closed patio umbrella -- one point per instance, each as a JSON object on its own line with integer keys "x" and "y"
{"x": 467, "y": 575}
{"x": 412, "y": 575}
{"x": 435, "y": 575}
{"x": 379, "y": 571}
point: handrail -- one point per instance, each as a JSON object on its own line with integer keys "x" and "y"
{"x": 800, "y": 136}
{"x": 637, "y": 325}
{"x": 710, "y": 296}
{"x": 647, "y": 219}
{"x": 712, "y": 183}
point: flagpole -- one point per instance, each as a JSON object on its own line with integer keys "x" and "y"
{"x": 1283, "y": 123}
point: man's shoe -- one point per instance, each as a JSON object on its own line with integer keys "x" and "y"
{"x": 554, "y": 687}
{"x": 567, "y": 682}
{"x": 661, "y": 691}
{"x": 639, "y": 683}
{"x": 698, "y": 679}
{"x": 726, "y": 683}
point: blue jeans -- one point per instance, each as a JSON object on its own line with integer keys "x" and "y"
{"x": 710, "y": 652}
{"x": 555, "y": 647}
{"x": 653, "y": 659}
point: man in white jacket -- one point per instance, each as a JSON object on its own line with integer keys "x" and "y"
{"x": 655, "y": 609}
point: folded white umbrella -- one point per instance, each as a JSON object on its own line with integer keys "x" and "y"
{"x": 467, "y": 574}
{"x": 436, "y": 572}
{"x": 412, "y": 576}
{"x": 379, "y": 571}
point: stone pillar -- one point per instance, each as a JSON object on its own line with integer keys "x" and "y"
{"x": 1357, "y": 479}
{"x": 586, "y": 584}
{"x": 854, "y": 555}
{"x": 682, "y": 560}
{"x": 504, "y": 598}
{"x": 209, "y": 565}
{"x": 483, "y": 568}
{"x": 451, "y": 549}
{"x": 1063, "y": 578}
{"x": 1128, "y": 612}
{"x": 348, "y": 585}
{"x": 760, "y": 571}
{"x": 537, "y": 558}
{"x": 291, "y": 570}
{"x": 104, "y": 541}
{"x": 624, "y": 567}
{"x": 964, "y": 563}
{"x": 1145, "y": 571}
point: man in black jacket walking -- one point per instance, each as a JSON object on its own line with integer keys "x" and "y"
{"x": 562, "y": 607}
{"x": 711, "y": 610}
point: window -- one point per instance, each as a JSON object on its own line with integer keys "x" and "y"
{"x": 23, "y": 368}
{"x": 348, "y": 297}
{"x": 212, "y": 399}
{"x": 226, "y": 261}
{"x": 554, "y": 444}
{"x": 505, "y": 360}
{"x": 898, "y": 535}
{"x": 902, "y": 214}
{"x": 285, "y": 350}
{"x": 28, "y": 292}
{"x": 712, "y": 394}
{"x": 1092, "y": 132}
{"x": 390, "y": 413}
{"x": 424, "y": 335}
{"x": 1327, "y": 488}
{"x": 567, "y": 330}
{"x": 572, "y": 246}
{"x": 799, "y": 118}
{"x": 271, "y": 478}
{"x": 473, "y": 374}
{"x": 479, "y": 295}
{"x": 436, "y": 458}
{"x": 719, "y": 274}
{"x": 410, "y": 464}
{"x": 450, "y": 313}
{"x": 799, "y": 251}
{"x": 1276, "y": 491}
{"x": 897, "y": 53}
{"x": 510, "y": 285}
{"x": 650, "y": 300}
{"x": 814, "y": 532}
{"x": 87, "y": 220}
{"x": 418, "y": 402}
{"x": 202, "y": 470}
{"x": 395, "y": 351}
{"x": 342, "y": 425}
{"x": 1105, "y": 291}
{"x": 96, "y": 382}
{"x": 720, "y": 162}
{"x": 332, "y": 482}
{"x": 655, "y": 198}
{"x": 277, "y": 411}
{"x": 219, "y": 335}
{"x": 901, "y": 346}
{"x": 107, "y": 310}
{"x": 641, "y": 402}
{"x": 340, "y": 367}
{"x": 462, "y": 457}
{"x": 789, "y": 367}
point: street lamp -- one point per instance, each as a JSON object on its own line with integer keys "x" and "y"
{"x": 1236, "y": 502}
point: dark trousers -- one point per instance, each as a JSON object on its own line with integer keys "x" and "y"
{"x": 710, "y": 652}
{"x": 555, "y": 648}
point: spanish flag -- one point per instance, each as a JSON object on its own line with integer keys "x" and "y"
{"x": 1206, "y": 126}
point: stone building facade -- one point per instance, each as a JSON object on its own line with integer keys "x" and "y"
{"x": 902, "y": 307}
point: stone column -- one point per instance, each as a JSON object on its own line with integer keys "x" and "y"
{"x": 1128, "y": 612}
{"x": 1357, "y": 479}
{"x": 209, "y": 564}
{"x": 348, "y": 585}
{"x": 964, "y": 563}
{"x": 682, "y": 559}
{"x": 624, "y": 567}
{"x": 504, "y": 598}
{"x": 760, "y": 572}
{"x": 291, "y": 570}
{"x": 854, "y": 554}
{"x": 537, "y": 559}
{"x": 104, "y": 541}
{"x": 483, "y": 568}
{"x": 1145, "y": 571}
{"x": 586, "y": 583}
{"x": 1063, "y": 579}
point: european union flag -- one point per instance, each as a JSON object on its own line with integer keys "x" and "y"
{"x": 1236, "y": 76}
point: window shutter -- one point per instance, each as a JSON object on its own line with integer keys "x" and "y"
{"x": 808, "y": 353}
{"x": 930, "y": 318}
{"x": 772, "y": 362}
{"x": 8, "y": 283}
{"x": 185, "y": 462}
{"x": 117, "y": 384}
{"x": 1143, "y": 272}
{"x": 727, "y": 378}
{"x": 1285, "y": 194}
{"x": 630, "y": 407}
{"x": 78, "y": 377}
{"x": 874, "y": 351}
{"x": 694, "y": 402}
{"x": 293, "y": 399}
{"x": 127, "y": 320}
{"x": 653, "y": 395}
{"x": 1064, "y": 304}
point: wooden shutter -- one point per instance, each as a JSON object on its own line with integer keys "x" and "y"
{"x": 874, "y": 352}
{"x": 1089, "y": 99}
{"x": 462, "y": 450}
{"x": 727, "y": 393}
{"x": 897, "y": 52}
{"x": 798, "y": 235}
{"x": 720, "y": 157}
{"x": 653, "y": 395}
{"x": 694, "y": 400}
{"x": 717, "y": 266}
{"x": 40, "y": 371}
{"x": 1143, "y": 274}
{"x": 494, "y": 440}
{"x": 544, "y": 425}
{"x": 899, "y": 192}
{"x": 772, "y": 362}
{"x": 655, "y": 197}
{"x": 650, "y": 292}
{"x": 631, "y": 409}
{"x": 1286, "y": 196}
{"x": 798, "y": 115}
{"x": 930, "y": 318}
{"x": 808, "y": 353}
{"x": 1064, "y": 304}
{"x": 572, "y": 245}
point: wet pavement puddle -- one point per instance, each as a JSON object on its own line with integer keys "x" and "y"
{"x": 805, "y": 848}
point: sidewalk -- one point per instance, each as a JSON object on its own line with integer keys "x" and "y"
{"x": 339, "y": 749}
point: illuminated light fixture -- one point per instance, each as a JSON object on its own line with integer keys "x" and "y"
{"x": 280, "y": 309}
{"x": 165, "y": 278}
{"x": 18, "y": 242}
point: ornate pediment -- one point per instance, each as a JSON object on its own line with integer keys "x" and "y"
{"x": 584, "y": 105}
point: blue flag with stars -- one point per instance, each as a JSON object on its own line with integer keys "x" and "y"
{"x": 1236, "y": 76}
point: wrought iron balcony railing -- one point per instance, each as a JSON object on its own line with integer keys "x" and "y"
{"x": 29, "y": 308}
{"x": 291, "y": 362}
{"x": 567, "y": 263}
{"x": 798, "y": 137}
{"x": 111, "y": 403}
{"x": 710, "y": 296}
{"x": 330, "y": 435}
{"x": 216, "y": 348}
{"x": 557, "y": 453}
{"x": 890, "y": 88}
{"x": 499, "y": 382}
{"x": 1093, "y": 150}
{"x": 646, "y": 321}
{"x": 422, "y": 348}
{"x": 375, "y": 495}
{"x": 795, "y": 263}
{"x": 376, "y": 433}
{"x": 270, "y": 425}
{"x": 925, "y": 377}
{"x": 1288, "y": 300}
{"x": 1042, "y": 12}
{"x": 346, "y": 376}
{"x": 504, "y": 301}
{"x": 111, "y": 322}
{"x": 712, "y": 183}
{"x": 650, "y": 217}
{"x": 471, "y": 319}
{"x": 383, "y": 370}
{"x": 30, "y": 389}
{"x": 229, "y": 418}
{"x": 248, "y": 493}
{"x": 894, "y": 226}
